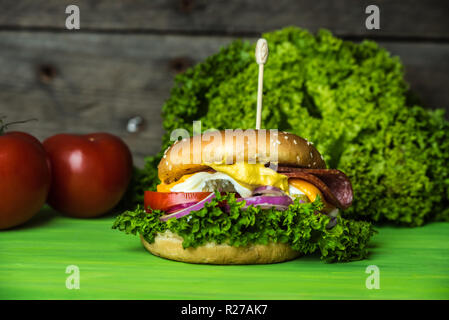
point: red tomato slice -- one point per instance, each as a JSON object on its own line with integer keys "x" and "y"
{"x": 165, "y": 200}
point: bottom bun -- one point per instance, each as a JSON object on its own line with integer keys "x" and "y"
{"x": 169, "y": 245}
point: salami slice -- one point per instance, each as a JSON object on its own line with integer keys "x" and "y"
{"x": 334, "y": 184}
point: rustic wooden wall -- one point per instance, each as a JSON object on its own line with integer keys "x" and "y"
{"x": 122, "y": 61}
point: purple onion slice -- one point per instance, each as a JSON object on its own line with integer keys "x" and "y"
{"x": 266, "y": 202}
{"x": 178, "y": 207}
{"x": 197, "y": 206}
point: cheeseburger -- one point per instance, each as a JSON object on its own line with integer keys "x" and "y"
{"x": 265, "y": 171}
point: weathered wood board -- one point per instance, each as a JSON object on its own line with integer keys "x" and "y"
{"x": 412, "y": 18}
{"x": 85, "y": 82}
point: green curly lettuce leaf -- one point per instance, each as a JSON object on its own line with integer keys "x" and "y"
{"x": 298, "y": 226}
{"x": 350, "y": 99}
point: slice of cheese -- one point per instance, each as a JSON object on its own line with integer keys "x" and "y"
{"x": 253, "y": 175}
{"x": 307, "y": 188}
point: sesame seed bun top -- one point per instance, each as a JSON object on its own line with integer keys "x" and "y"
{"x": 231, "y": 146}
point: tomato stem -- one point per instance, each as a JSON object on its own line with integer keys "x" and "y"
{"x": 3, "y": 127}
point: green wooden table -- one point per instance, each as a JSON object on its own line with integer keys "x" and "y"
{"x": 413, "y": 264}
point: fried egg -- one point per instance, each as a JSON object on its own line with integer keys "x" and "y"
{"x": 209, "y": 182}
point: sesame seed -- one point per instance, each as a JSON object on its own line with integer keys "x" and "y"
{"x": 294, "y": 141}
{"x": 308, "y": 143}
{"x": 165, "y": 156}
{"x": 286, "y": 137}
{"x": 314, "y": 163}
{"x": 297, "y": 158}
{"x": 311, "y": 155}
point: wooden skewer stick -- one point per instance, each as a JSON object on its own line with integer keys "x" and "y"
{"x": 261, "y": 59}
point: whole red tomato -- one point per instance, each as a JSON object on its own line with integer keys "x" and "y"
{"x": 90, "y": 173}
{"x": 24, "y": 178}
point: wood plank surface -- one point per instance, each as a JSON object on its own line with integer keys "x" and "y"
{"x": 426, "y": 70}
{"x": 96, "y": 82}
{"x": 412, "y": 18}
{"x": 413, "y": 264}
{"x": 86, "y": 82}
